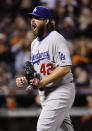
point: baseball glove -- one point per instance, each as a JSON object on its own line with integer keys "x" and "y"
{"x": 31, "y": 74}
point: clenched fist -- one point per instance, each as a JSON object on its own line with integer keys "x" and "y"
{"x": 21, "y": 82}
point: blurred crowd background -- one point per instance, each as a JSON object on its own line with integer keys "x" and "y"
{"x": 73, "y": 19}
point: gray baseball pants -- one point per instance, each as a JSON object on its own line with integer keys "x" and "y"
{"x": 55, "y": 109}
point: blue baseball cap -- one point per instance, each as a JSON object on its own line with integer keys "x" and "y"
{"x": 40, "y": 11}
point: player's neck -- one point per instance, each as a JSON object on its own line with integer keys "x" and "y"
{"x": 44, "y": 34}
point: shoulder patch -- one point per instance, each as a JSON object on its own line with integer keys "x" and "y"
{"x": 61, "y": 56}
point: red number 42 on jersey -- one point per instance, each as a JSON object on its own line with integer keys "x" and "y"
{"x": 46, "y": 69}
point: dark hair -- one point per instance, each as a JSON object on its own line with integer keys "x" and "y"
{"x": 51, "y": 25}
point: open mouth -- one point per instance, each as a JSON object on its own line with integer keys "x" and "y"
{"x": 34, "y": 26}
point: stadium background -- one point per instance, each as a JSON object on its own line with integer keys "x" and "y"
{"x": 19, "y": 111}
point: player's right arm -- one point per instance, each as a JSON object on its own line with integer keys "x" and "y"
{"x": 21, "y": 82}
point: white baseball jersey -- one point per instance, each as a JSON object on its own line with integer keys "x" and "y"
{"x": 50, "y": 52}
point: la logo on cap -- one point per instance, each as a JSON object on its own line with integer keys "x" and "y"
{"x": 34, "y": 10}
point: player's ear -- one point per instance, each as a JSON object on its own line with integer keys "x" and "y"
{"x": 47, "y": 21}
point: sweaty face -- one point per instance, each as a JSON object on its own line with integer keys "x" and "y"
{"x": 38, "y": 26}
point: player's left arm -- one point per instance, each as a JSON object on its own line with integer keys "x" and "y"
{"x": 62, "y": 62}
{"x": 58, "y": 73}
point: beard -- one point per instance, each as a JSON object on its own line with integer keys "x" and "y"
{"x": 39, "y": 31}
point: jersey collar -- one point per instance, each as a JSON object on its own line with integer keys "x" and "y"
{"x": 44, "y": 37}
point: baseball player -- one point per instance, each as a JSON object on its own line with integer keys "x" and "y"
{"x": 51, "y": 59}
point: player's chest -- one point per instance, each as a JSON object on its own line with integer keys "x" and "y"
{"x": 40, "y": 52}
{"x": 42, "y": 59}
